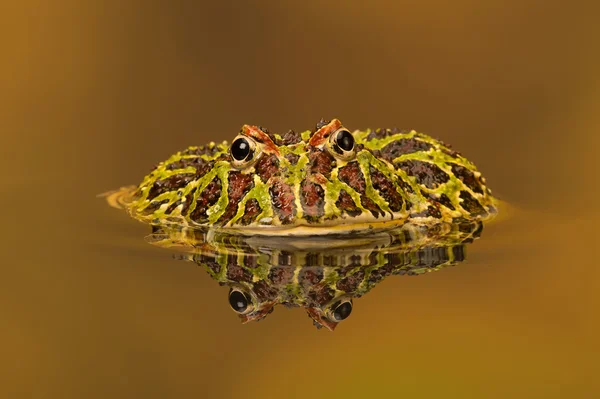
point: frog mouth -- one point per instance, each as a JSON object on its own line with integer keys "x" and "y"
{"x": 316, "y": 230}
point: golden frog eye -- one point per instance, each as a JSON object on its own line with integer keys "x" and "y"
{"x": 340, "y": 310}
{"x": 240, "y": 302}
{"x": 341, "y": 144}
{"x": 242, "y": 151}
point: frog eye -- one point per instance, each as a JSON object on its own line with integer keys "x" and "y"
{"x": 341, "y": 144}
{"x": 340, "y": 310}
{"x": 240, "y": 302}
{"x": 242, "y": 151}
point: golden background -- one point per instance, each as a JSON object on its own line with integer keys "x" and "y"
{"x": 93, "y": 94}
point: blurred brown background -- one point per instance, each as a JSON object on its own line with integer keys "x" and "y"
{"x": 93, "y": 94}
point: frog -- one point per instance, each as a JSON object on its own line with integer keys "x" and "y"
{"x": 324, "y": 275}
{"x": 325, "y": 181}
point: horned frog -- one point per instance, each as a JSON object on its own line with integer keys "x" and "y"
{"x": 326, "y": 181}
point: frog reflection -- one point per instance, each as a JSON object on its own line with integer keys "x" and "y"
{"x": 321, "y": 274}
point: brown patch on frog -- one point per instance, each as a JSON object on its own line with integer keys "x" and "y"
{"x": 321, "y": 294}
{"x": 210, "y": 262}
{"x": 291, "y": 137}
{"x": 322, "y": 133}
{"x": 442, "y": 199}
{"x": 309, "y": 277}
{"x": 383, "y": 133}
{"x": 267, "y": 166}
{"x": 171, "y": 183}
{"x": 283, "y": 198}
{"x": 239, "y": 185}
{"x": 319, "y": 178}
{"x": 387, "y": 189}
{"x": 467, "y": 177}
{"x": 312, "y": 198}
{"x": 346, "y": 204}
{"x": 251, "y": 211}
{"x": 235, "y": 272}
{"x": 321, "y": 161}
{"x": 207, "y": 198}
{"x": 172, "y": 207}
{"x": 352, "y": 175}
{"x": 292, "y": 158}
{"x": 371, "y": 206}
{"x": 188, "y": 201}
{"x": 281, "y": 275}
{"x": 400, "y": 147}
{"x": 404, "y": 185}
{"x": 471, "y": 205}
{"x": 355, "y": 262}
{"x": 350, "y": 283}
{"x": 376, "y": 275}
{"x": 430, "y": 211}
{"x": 264, "y": 292}
{"x": 202, "y": 166}
{"x": 428, "y": 174}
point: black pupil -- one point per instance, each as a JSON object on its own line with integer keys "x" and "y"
{"x": 345, "y": 140}
{"x": 238, "y": 301}
{"x": 240, "y": 149}
{"x": 342, "y": 311}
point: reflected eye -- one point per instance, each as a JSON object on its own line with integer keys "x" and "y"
{"x": 341, "y": 310}
{"x": 239, "y": 301}
{"x": 342, "y": 144}
{"x": 242, "y": 151}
